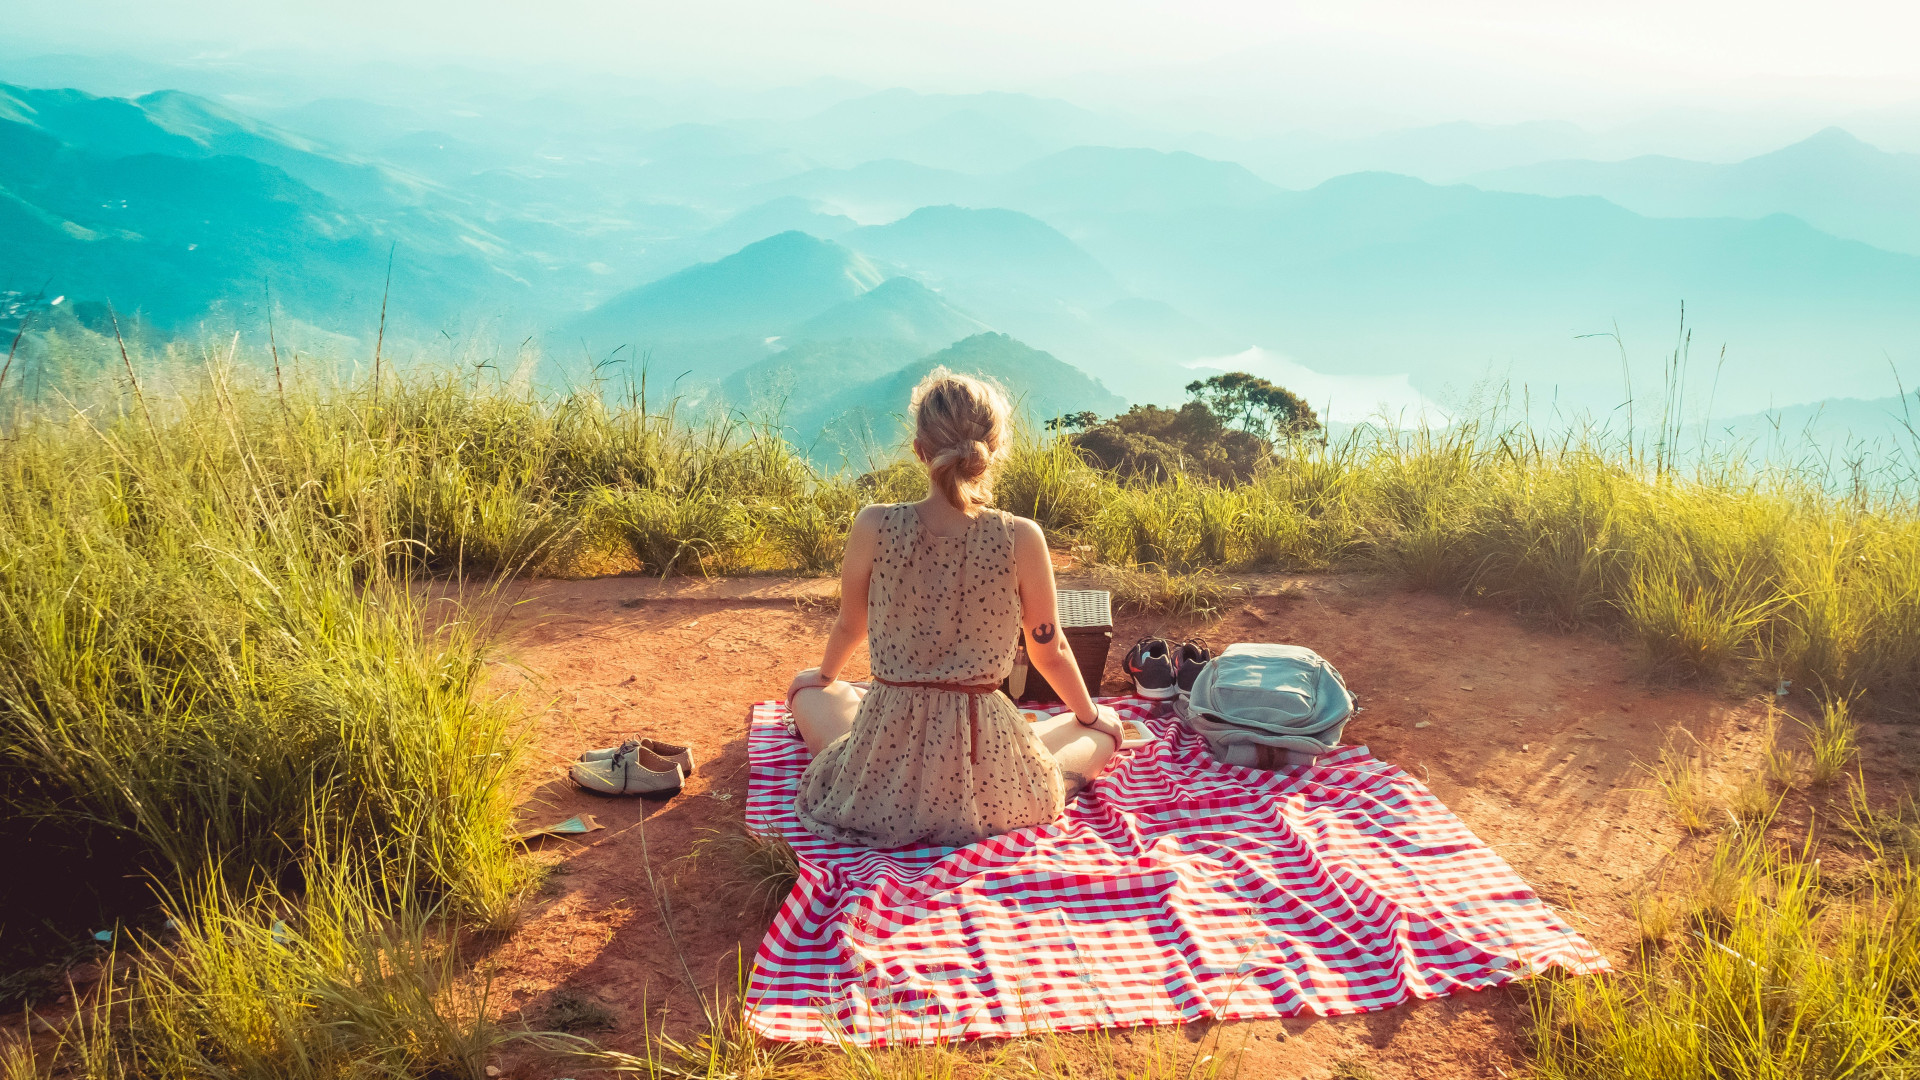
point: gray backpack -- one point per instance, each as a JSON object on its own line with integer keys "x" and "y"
{"x": 1280, "y": 696}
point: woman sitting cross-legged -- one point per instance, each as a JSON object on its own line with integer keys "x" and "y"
{"x": 941, "y": 588}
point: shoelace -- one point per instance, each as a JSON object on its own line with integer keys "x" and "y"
{"x": 620, "y": 756}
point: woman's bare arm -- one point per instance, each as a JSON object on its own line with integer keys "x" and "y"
{"x": 850, "y": 629}
{"x": 1047, "y": 648}
{"x": 856, "y": 573}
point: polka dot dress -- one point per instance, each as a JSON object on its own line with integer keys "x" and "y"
{"x": 913, "y": 770}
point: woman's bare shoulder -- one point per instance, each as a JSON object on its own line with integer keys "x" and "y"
{"x": 1026, "y": 532}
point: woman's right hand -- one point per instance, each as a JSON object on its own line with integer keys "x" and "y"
{"x": 810, "y": 677}
{"x": 1106, "y": 721}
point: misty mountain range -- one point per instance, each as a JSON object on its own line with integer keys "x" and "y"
{"x": 826, "y": 256}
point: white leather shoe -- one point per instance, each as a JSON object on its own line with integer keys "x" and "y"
{"x": 681, "y": 755}
{"x": 631, "y": 769}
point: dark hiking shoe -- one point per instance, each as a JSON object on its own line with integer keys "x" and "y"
{"x": 1188, "y": 661}
{"x": 1150, "y": 664}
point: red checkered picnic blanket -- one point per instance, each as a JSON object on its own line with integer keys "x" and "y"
{"x": 1173, "y": 889}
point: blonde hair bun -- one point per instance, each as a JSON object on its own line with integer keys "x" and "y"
{"x": 960, "y": 431}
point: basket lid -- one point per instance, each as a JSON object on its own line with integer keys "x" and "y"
{"x": 1085, "y": 607}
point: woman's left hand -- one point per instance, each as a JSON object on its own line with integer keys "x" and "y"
{"x": 813, "y": 676}
{"x": 1106, "y": 721}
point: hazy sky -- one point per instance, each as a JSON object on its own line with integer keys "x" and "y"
{"x": 1365, "y": 63}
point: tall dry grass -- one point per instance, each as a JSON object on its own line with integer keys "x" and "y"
{"x": 217, "y": 667}
{"x": 1708, "y": 573}
{"x": 207, "y": 635}
{"x": 225, "y": 696}
{"x": 1710, "y": 569}
{"x": 217, "y": 677}
{"x": 1773, "y": 972}
{"x": 344, "y": 978}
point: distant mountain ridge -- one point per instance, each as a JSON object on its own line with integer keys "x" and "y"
{"x": 776, "y": 294}
{"x": 897, "y": 309}
{"x": 1040, "y": 386}
{"x": 1130, "y": 254}
{"x": 788, "y": 213}
{"x": 1168, "y": 259}
{"x": 758, "y": 291}
{"x": 1109, "y": 179}
{"x": 990, "y": 250}
{"x": 172, "y": 205}
{"x": 1376, "y": 274}
{"x": 975, "y": 132}
{"x": 846, "y": 401}
{"x": 1833, "y": 181}
{"x": 1891, "y": 421}
{"x": 166, "y": 234}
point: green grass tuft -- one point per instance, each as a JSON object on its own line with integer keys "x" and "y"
{"x": 1773, "y": 978}
{"x": 1677, "y": 775}
{"x": 1833, "y": 741}
{"x": 762, "y": 865}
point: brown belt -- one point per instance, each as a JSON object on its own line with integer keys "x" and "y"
{"x": 974, "y": 694}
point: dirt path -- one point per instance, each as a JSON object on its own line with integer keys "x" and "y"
{"x": 1531, "y": 737}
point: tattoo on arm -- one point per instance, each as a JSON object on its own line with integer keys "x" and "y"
{"x": 1043, "y": 633}
{"x": 1075, "y": 782}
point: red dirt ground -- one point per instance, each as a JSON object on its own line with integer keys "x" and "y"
{"x": 1530, "y": 736}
